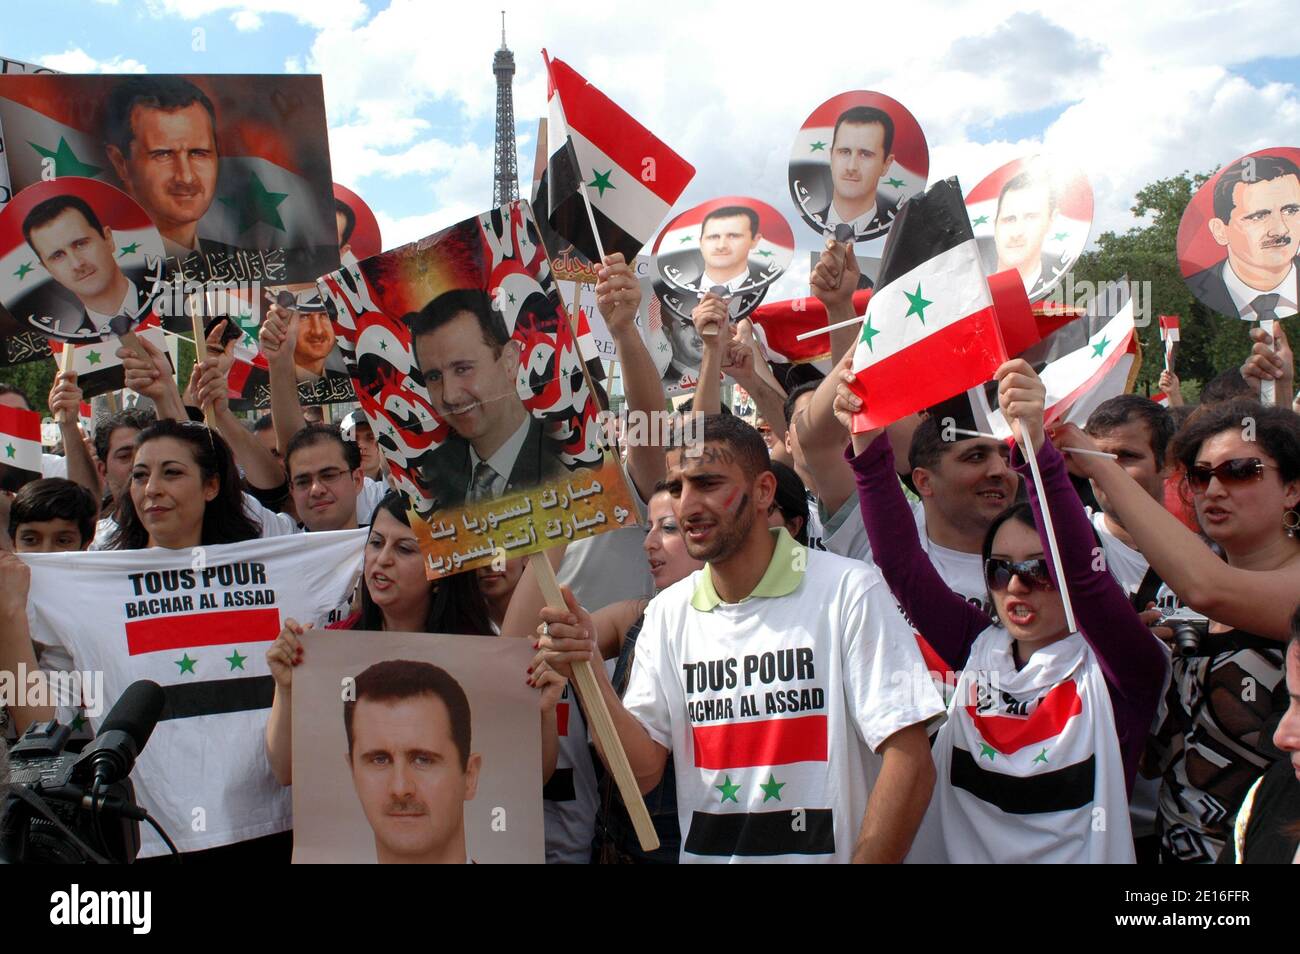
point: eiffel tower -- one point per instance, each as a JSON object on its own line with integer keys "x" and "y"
{"x": 505, "y": 168}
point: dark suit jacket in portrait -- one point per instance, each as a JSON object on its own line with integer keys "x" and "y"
{"x": 886, "y": 209}
{"x": 1212, "y": 291}
{"x": 448, "y": 471}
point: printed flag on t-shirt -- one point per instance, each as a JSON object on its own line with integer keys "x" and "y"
{"x": 930, "y": 329}
{"x": 631, "y": 177}
{"x": 20, "y": 447}
{"x": 197, "y": 622}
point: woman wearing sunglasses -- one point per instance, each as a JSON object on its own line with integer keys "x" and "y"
{"x": 1242, "y": 466}
{"x": 1046, "y": 726}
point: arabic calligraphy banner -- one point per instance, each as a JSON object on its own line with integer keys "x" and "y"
{"x": 466, "y": 365}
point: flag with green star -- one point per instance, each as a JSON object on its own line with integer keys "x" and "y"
{"x": 930, "y": 331}
{"x": 97, "y": 366}
{"x": 274, "y": 194}
{"x": 20, "y": 447}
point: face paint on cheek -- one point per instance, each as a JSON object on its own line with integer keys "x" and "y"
{"x": 729, "y": 504}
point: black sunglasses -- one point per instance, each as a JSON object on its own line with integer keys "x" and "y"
{"x": 1236, "y": 471}
{"x": 1033, "y": 573}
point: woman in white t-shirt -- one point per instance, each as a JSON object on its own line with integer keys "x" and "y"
{"x": 1046, "y": 725}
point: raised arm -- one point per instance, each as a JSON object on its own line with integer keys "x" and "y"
{"x": 618, "y": 295}
{"x": 65, "y": 397}
{"x": 278, "y": 337}
{"x": 1257, "y": 601}
{"x": 710, "y": 317}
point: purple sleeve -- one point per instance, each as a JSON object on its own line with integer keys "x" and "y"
{"x": 948, "y": 623}
{"x": 1131, "y": 658}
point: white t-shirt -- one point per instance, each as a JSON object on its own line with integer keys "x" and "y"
{"x": 273, "y": 524}
{"x": 372, "y": 491}
{"x": 1128, "y": 566}
{"x": 52, "y": 465}
{"x": 773, "y": 707}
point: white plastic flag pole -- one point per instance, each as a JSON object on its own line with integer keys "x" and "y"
{"x": 1267, "y": 387}
{"x": 835, "y": 327}
{"x": 591, "y": 217}
{"x": 1032, "y": 453}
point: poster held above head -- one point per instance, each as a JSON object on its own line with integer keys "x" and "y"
{"x": 232, "y": 169}
{"x": 455, "y": 697}
{"x": 465, "y": 363}
{"x": 1033, "y": 216}
{"x": 854, "y": 160}
{"x": 79, "y": 260}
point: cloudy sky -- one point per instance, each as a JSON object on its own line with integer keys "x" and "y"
{"x": 1130, "y": 92}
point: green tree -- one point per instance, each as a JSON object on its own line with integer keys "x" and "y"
{"x": 1210, "y": 343}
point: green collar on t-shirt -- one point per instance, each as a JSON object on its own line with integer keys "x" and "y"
{"x": 781, "y": 578}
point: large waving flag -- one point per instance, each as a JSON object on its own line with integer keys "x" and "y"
{"x": 631, "y": 177}
{"x": 930, "y": 330}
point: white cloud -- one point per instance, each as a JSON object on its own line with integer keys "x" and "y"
{"x": 77, "y": 60}
{"x": 247, "y": 14}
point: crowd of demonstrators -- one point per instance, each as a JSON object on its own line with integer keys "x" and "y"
{"x": 798, "y": 571}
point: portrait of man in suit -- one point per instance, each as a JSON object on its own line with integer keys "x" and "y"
{"x": 78, "y": 252}
{"x": 862, "y": 150}
{"x": 470, "y": 365}
{"x": 409, "y": 752}
{"x": 1025, "y": 212}
{"x": 161, "y": 138}
{"x": 1257, "y": 222}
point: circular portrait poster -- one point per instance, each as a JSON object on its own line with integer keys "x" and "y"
{"x": 1237, "y": 241}
{"x": 79, "y": 260}
{"x": 854, "y": 160}
{"x": 357, "y": 226}
{"x": 734, "y": 243}
{"x": 1033, "y": 216}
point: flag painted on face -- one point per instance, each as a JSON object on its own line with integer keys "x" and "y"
{"x": 1033, "y": 217}
{"x": 198, "y": 624}
{"x": 930, "y": 329}
{"x": 631, "y": 177}
{"x": 20, "y": 447}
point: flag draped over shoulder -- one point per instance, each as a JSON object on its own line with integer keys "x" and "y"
{"x": 631, "y": 177}
{"x": 197, "y": 622}
{"x": 20, "y": 447}
{"x": 930, "y": 330}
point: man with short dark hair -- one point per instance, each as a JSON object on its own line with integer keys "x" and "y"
{"x": 728, "y": 236}
{"x": 1025, "y": 212}
{"x": 78, "y": 252}
{"x": 772, "y": 674}
{"x": 470, "y": 364}
{"x": 862, "y": 150}
{"x": 52, "y": 515}
{"x": 161, "y": 138}
{"x": 1257, "y": 221}
{"x": 325, "y": 478}
{"x": 409, "y": 751}
{"x": 115, "y": 448}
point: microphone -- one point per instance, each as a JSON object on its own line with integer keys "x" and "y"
{"x": 122, "y": 737}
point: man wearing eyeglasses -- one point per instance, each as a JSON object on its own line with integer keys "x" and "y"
{"x": 325, "y": 478}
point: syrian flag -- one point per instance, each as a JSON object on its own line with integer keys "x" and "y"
{"x": 199, "y": 627}
{"x": 1161, "y": 398}
{"x": 765, "y": 743}
{"x": 930, "y": 328}
{"x": 1169, "y": 334}
{"x": 275, "y": 190}
{"x": 783, "y": 321}
{"x": 97, "y": 366}
{"x": 632, "y": 178}
{"x": 20, "y": 447}
{"x": 1088, "y": 361}
{"x": 86, "y": 418}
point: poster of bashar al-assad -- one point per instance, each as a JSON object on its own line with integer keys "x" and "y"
{"x": 79, "y": 260}
{"x": 358, "y": 229}
{"x": 233, "y": 170}
{"x": 856, "y": 157}
{"x": 1033, "y": 216}
{"x": 1237, "y": 241}
{"x": 735, "y": 243}
{"x": 467, "y": 367}
{"x": 415, "y": 749}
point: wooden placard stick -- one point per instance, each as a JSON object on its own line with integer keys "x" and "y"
{"x": 200, "y": 343}
{"x": 66, "y": 357}
{"x": 598, "y": 717}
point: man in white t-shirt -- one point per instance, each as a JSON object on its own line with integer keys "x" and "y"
{"x": 782, "y": 680}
